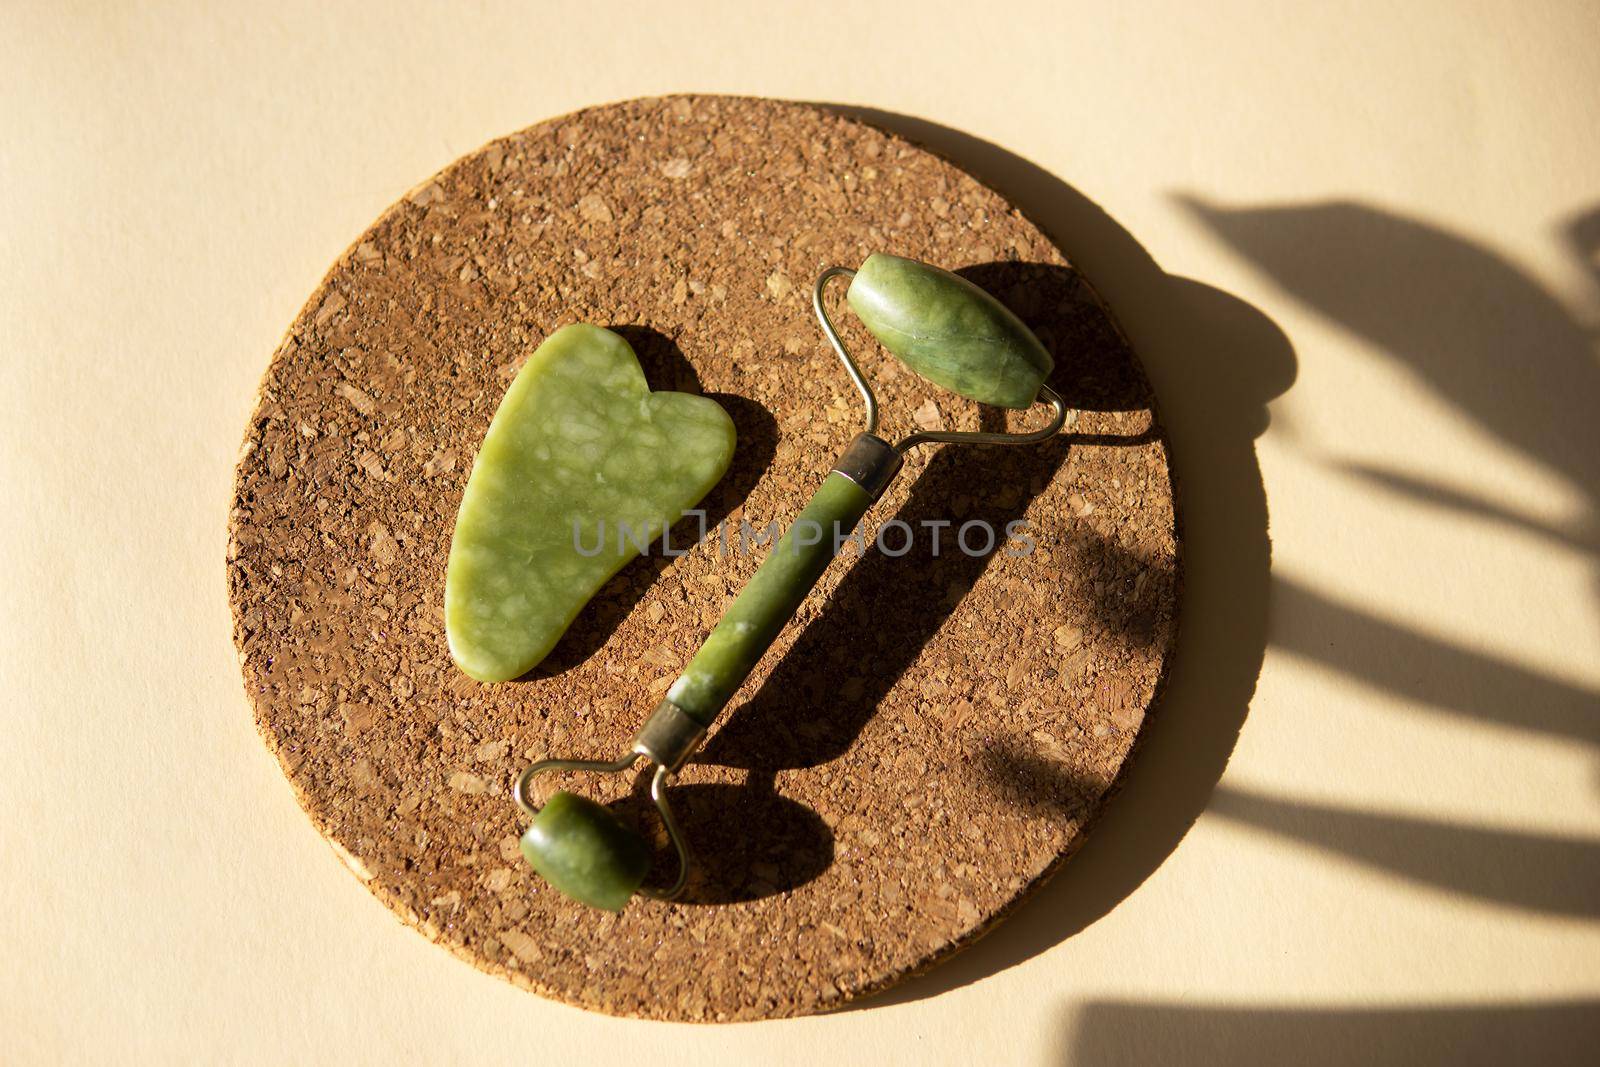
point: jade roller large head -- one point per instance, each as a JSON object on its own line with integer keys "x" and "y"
{"x": 950, "y": 332}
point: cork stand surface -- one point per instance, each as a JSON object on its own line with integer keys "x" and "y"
{"x": 929, "y": 739}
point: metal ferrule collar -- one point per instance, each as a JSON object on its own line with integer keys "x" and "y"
{"x": 870, "y": 462}
{"x": 669, "y": 736}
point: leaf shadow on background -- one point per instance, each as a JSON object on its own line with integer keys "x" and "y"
{"x": 1108, "y": 1033}
{"x": 1214, "y": 362}
{"x": 1461, "y": 318}
{"x": 1486, "y": 338}
{"x": 1492, "y": 342}
{"x": 1528, "y": 871}
{"x": 1429, "y": 671}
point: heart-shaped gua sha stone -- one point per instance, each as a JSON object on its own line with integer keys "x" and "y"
{"x": 581, "y": 466}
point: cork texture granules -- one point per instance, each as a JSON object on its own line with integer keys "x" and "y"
{"x": 927, "y": 741}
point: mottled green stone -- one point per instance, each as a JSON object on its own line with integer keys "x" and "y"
{"x": 579, "y": 446}
{"x": 586, "y": 852}
{"x": 770, "y": 598}
{"x": 949, "y": 331}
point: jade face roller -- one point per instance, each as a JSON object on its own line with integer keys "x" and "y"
{"x": 950, "y": 332}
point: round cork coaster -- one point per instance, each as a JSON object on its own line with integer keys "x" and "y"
{"x": 925, "y": 743}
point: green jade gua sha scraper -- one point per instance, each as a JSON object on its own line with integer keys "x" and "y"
{"x": 579, "y": 441}
{"x": 947, "y": 330}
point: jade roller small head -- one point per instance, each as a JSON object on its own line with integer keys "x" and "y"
{"x": 945, "y": 329}
{"x": 586, "y": 852}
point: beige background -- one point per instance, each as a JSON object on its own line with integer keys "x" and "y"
{"x": 1376, "y": 223}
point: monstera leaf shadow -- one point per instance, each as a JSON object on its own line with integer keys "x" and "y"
{"x": 1113, "y": 1033}
{"x": 1485, "y": 337}
{"x": 1501, "y": 350}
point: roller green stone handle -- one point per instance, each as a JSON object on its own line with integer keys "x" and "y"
{"x": 771, "y": 598}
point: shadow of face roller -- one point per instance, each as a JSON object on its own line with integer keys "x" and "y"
{"x": 1502, "y": 353}
{"x": 748, "y": 842}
